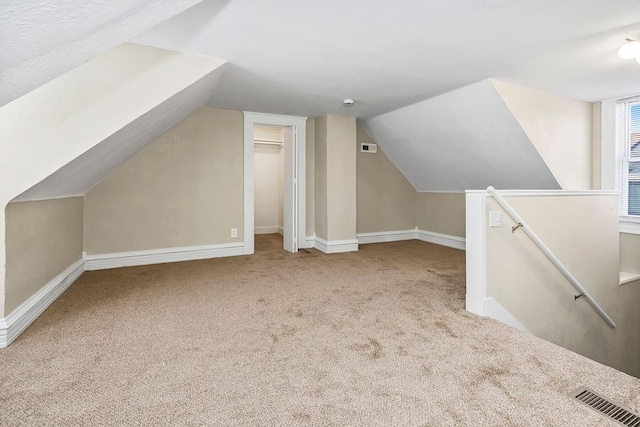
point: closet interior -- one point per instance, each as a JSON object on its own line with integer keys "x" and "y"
{"x": 268, "y": 157}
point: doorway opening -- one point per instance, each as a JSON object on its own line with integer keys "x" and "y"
{"x": 274, "y": 184}
{"x": 268, "y": 176}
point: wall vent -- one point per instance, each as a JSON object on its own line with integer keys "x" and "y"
{"x": 606, "y": 407}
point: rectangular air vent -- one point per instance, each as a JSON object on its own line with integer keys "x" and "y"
{"x": 606, "y": 407}
{"x": 369, "y": 148}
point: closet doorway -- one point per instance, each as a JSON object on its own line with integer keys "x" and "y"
{"x": 274, "y": 159}
{"x": 268, "y": 177}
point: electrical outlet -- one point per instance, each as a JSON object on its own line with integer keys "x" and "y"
{"x": 234, "y": 232}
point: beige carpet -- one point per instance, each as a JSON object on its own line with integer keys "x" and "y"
{"x": 377, "y": 337}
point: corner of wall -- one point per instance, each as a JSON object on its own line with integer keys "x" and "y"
{"x": 386, "y": 199}
{"x": 3, "y": 256}
{"x": 311, "y": 177}
{"x": 320, "y": 190}
{"x": 596, "y": 141}
{"x": 442, "y": 213}
{"x": 43, "y": 239}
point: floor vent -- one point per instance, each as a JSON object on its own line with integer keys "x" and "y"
{"x": 618, "y": 413}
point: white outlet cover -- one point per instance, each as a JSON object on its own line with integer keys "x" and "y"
{"x": 494, "y": 219}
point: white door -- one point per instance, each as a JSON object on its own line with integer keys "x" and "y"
{"x": 290, "y": 211}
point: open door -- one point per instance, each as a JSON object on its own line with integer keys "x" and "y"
{"x": 290, "y": 211}
{"x": 293, "y": 180}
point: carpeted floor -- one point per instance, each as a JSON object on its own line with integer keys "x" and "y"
{"x": 377, "y": 337}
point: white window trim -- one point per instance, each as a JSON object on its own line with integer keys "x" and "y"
{"x": 630, "y": 224}
{"x": 610, "y": 154}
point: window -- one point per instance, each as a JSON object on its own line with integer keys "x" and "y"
{"x": 629, "y": 158}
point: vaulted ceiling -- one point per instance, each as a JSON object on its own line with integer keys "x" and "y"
{"x": 464, "y": 139}
{"x": 303, "y": 57}
{"x": 397, "y": 59}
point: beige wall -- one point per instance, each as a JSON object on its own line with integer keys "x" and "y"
{"x": 269, "y": 206}
{"x": 441, "y": 213}
{"x": 335, "y": 181}
{"x": 560, "y": 128}
{"x": 386, "y": 201}
{"x": 310, "y": 223}
{"x": 184, "y": 189}
{"x": 341, "y": 177}
{"x": 50, "y": 126}
{"x": 43, "y": 239}
{"x": 268, "y": 177}
{"x": 630, "y": 253}
{"x": 275, "y": 133}
{"x": 526, "y": 284}
{"x": 320, "y": 162}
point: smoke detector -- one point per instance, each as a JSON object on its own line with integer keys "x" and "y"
{"x": 348, "y": 102}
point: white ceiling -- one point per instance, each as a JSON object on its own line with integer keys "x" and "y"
{"x": 303, "y": 57}
{"x": 42, "y": 39}
{"x": 462, "y": 140}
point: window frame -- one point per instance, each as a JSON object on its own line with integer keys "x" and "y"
{"x": 628, "y": 223}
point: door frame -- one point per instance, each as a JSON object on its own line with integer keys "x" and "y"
{"x": 299, "y": 125}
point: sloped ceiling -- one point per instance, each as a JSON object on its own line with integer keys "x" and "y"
{"x": 78, "y": 176}
{"x": 42, "y": 39}
{"x": 304, "y": 57}
{"x": 560, "y": 129}
{"x": 464, "y": 139}
{"x": 63, "y": 137}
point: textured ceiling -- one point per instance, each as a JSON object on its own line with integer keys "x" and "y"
{"x": 42, "y": 39}
{"x": 462, "y": 140}
{"x": 304, "y": 57}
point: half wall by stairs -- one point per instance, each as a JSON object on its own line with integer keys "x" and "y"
{"x": 511, "y": 280}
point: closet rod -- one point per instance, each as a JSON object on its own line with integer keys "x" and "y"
{"x": 267, "y": 140}
{"x": 278, "y": 144}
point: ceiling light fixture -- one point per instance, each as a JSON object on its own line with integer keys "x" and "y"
{"x": 630, "y": 50}
{"x": 349, "y": 102}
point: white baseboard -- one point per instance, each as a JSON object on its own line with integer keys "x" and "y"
{"x": 474, "y": 305}
{"x": 426, "y": 236}
{"x": 386, "y": 236}
{"x": 441, "y": 239}
{"x": 309, "y": 242}
{"x": 491, "y": 308}
{"x": 266, "y": 230}
{"x": 159, "y": 256}
{"x": 336, "y": 246}
{"x": 20, "y": 318}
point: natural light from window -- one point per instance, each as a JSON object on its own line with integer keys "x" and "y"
{"x": 630, "y": 176}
